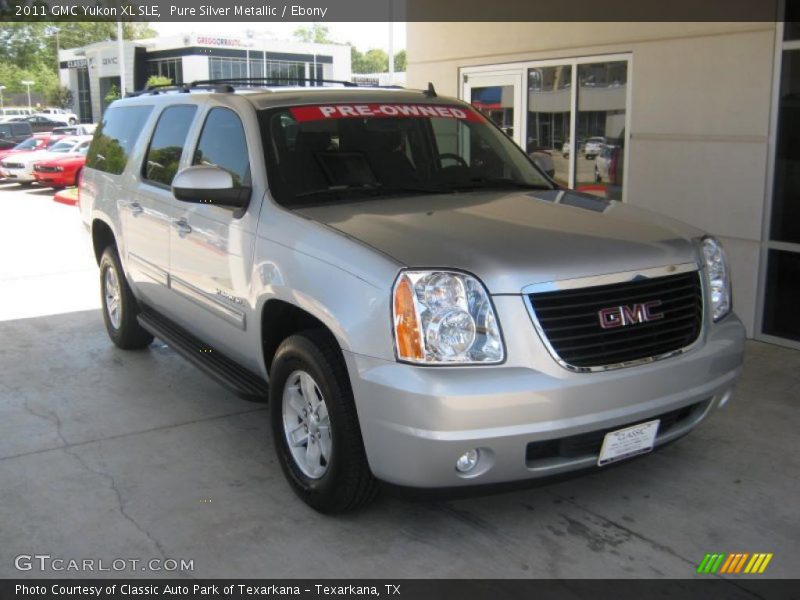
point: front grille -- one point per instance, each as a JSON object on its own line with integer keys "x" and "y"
{"x": 11, "y": 165}
{"x": 45, "y": 169}
{"x": 589, "y": 444}
{"x": 571, "y": 320}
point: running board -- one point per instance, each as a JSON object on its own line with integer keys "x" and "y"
{"x": 231, "y": 375}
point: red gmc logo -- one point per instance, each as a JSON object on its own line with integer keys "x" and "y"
{"x": 620, "y": 316}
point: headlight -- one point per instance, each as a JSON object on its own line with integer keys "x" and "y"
{"x": 717, "y": 276}
{"x": 444, "y": 317}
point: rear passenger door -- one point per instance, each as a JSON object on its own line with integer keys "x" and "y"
{"x": 148, "y": 215}
{"x": 211, "y": 247}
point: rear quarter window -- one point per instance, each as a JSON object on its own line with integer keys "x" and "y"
{"x": 115, "y": 137}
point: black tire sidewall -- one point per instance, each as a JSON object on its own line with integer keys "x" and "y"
{"x": 300, "y": 353}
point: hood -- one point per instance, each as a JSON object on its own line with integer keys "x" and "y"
{"x": 510, "y": 240}
{"x": 61, "y": 157}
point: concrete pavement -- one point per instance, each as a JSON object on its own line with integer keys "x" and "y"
{"x": 106, "y": 454}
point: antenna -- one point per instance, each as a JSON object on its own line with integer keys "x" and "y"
{"x": 430, "y": 92}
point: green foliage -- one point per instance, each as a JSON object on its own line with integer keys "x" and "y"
{"x": 400, "y": 63}
{"x": 317, "y": 33}
{"x": 111, "y": 95}
{"x": 60, "y": 96}
{"x": 155, "y": 80}
{"x": 375, "y": 61}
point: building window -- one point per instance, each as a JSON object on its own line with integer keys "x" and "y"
{"x": 168, "y": 67}
{"x": 573, "y": 116}
{"x": 781, "y": 247}
{"x": 84, "y": 96}
{"x": 285, "y": 72}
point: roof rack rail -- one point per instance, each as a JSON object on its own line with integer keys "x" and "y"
{"x": 184, "y": 88}
{"x": 271, "y": 79}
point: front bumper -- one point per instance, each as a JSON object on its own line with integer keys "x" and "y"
{"x": 20, "y": 175}
{"x": 416, "y": 421}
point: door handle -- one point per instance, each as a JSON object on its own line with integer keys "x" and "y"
{"x": 182, "y": 227}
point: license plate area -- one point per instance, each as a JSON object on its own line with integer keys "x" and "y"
{"x": 628, "y": 442}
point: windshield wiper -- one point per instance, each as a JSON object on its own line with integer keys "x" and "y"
{"x": 335, "y": 189}
{"x": 377, "y": 189}
{"x": 499, "y": 182}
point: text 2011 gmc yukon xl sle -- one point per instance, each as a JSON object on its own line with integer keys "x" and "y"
{"x": 420, "y": 303}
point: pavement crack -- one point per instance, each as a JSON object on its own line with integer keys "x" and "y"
{"x": 52, "y": 417}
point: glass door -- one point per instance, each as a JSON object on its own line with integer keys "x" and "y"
{"x": 780, "y": 268}
{"x": 498, "y": 95}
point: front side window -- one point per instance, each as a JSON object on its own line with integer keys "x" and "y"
{"x": 115, "y": 137}
{"x": 223, "y": 144}
{"x": 166, "y": 146}
{"x": 340, "y": 152}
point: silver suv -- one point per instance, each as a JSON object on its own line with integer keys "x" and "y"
{"x": 418, "y": 301}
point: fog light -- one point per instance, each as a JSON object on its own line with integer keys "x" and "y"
{"x": 467, "y": 461}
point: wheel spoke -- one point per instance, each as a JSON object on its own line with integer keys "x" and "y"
{"x": 309, "y": 389}
{"x": 296, "y": 402}
{"x": 312, "y": 457}
{"x": 325, "y": 442}
{"x": 298, "y": 436}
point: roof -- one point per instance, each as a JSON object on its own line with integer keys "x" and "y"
{"x": 268, "y": 97}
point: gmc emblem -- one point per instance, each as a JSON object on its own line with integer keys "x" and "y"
{"x": 620, "y": 316}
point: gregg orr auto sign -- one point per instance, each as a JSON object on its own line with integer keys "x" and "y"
{"x": 344, "y": 111}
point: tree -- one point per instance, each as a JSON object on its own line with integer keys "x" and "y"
{"x": 317, "y": 33}
{"x": 400, "y": 61}
{"x": 112, "y": 94}
{"x": 60, "y": 96}
{"x": 156, "y": 80}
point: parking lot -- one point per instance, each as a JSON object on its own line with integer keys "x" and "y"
{"x": 107, "y": 454}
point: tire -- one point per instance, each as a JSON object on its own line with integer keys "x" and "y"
{"x": 343, "y": 480}
{"x": 122, "y": 326}
{"x": 73, "y": 121}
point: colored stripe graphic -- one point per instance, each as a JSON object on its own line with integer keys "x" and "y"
{"x": 734, "y": 563}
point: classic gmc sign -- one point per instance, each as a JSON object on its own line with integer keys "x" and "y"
{"x": 620, "y": 316}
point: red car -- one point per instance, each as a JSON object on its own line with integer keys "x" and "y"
{"x": 59, "y": 172}
{"x": 39, "y": 141}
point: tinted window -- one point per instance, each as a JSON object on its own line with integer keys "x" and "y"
{"x": 223, "y": 144}
{"x": 5, "y": 130}
{"x": 21, "y": 129}
{"x": 166, "y": 146}
{"x": 115, "y": 137}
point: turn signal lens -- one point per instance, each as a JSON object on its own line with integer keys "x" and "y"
{"x": 406, "y": 327}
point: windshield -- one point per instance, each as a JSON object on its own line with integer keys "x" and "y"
{"x": 28, "y": 144}
{"x": 63, "y": 146}
{"x": 324, "y": 154}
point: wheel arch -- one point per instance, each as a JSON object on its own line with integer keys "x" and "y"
{"x": 102, "y": 237}
{"x": 281, "y": 319}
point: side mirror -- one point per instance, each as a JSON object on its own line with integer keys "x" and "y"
{"x": 207, "y": 184}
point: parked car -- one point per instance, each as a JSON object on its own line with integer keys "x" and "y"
{"x": 39, "y": 141}
{"x": 417, "y": 311}
{"x": 79, "y": 129}
{"x": 11, "y": 112}
{"x": 48, "y": 123}
{"x": 602, "y": 163}
{"x": 12, "y": 134}
{"x": 59, "y": 114}
{"x": 19, "y": 167}
{"x": 593, "y": 147}
{"x": 61, "y": 172}
{"x": 543, "y": 158}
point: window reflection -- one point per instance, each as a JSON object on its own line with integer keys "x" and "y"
{"x": 602, "y": 95}
{"x": 549, "y": 100}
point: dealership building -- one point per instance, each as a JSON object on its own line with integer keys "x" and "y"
{"x": 702, "y": 119}
{"x": 91, "y": 71}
